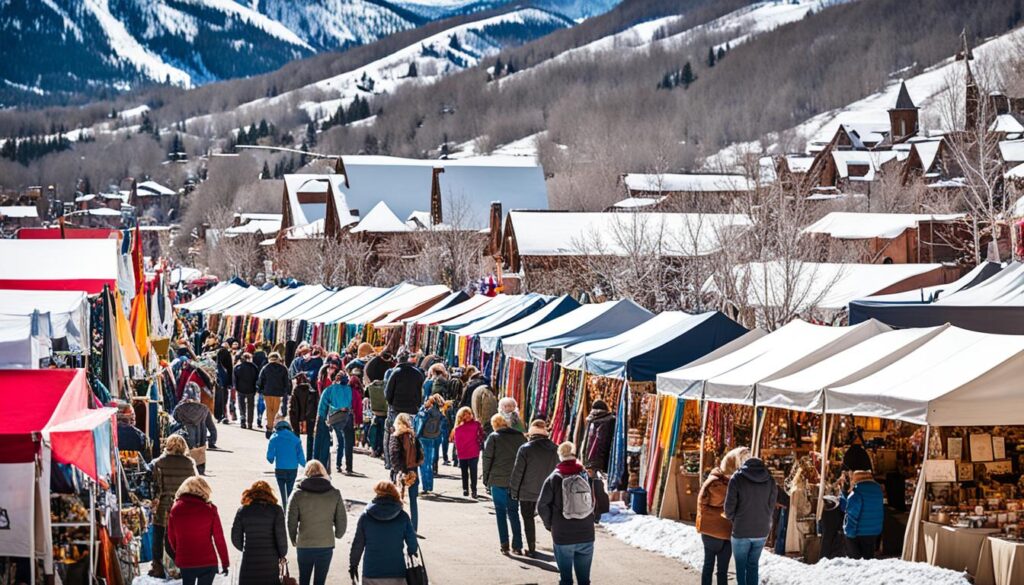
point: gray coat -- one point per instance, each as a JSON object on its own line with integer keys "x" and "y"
{"x": 499, "y": 456}
{"x": 316, "y": 514}
{"x": 535, "y": 461}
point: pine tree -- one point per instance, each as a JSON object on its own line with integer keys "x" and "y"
{"x": 444, "y": 145}
{"x": 498, "y": 67}
{"x": 721, "y": 53}
{"x": 265, "y": 173}
{"x": 453, "y": 42}
{"x": 413, "y": 72}
{"x": 711, "y": 56}
{"x": 310, "y": 136}
{"x": 686, "y": 77}
{"x": 510, "y": 68}
{"x": 264, "y": 130}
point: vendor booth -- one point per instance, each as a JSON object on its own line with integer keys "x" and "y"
{"x": 75, "y": 265}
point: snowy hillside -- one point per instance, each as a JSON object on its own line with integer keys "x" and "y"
{"x": 71, "y": 46}
{"x": 925, "y": 90}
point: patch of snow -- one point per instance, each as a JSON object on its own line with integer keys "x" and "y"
{"x": 126, "y": 48}
{"x": 682, "y": 542}
{"x": 523, "y": 147}
{"x": 252, "y": 17}
{"x": 132, "y": 113}
{"x": 69, "y": 23}
{"x": 23, "y": 87}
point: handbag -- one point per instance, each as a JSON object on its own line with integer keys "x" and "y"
{"x": 416, "y": 574}
{"x": 286, "y": 578}
{"x": 338, "y": 417}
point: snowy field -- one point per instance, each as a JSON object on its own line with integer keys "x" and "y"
{"x": 682, "y": 543}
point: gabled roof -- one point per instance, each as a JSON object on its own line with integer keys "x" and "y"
{"x": 846, "y": 225}
{"x": 303, "y": 192}
{"x": 1012, "y": 151}
{"x": 1006, "y": 123}
{"x": 26, "y": 211}
{"x": 873, "y": 158}
{"x": 152, "y": 188}
{"x": 380, "y": 220}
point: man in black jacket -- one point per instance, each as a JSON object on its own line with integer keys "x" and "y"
{"x": 245, "y": 375}
{"x": 403, "y": 391}
{"x": 749, "y": 502}
{"x": 225, "y": 365}
{"x": 273, "y": 383}
{"x": 600, "y": 432}
{"x": 535, "y": 461}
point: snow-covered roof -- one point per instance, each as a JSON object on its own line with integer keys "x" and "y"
{"x": 687, "y": 183}
{"x": 122, "y": 195}
{"x": 636, "y": 202}
{"x": 152, "y": 188}
{"x": 803, "y": 286}
{"x": 259, "y": 216}
{"x": 85, "y": 198}
{"x": 1012, "y": 151}
{"x": 540, "y": 233}
{"x": 308, "y": 231}
{"x": 469, "y": 184}
{"x": 1006, "y": 123}
{"x": 873, "y": 158}
{"x": 19, "y": 211}
{"x": 380, "y": 220}
{"x": 418, "y": 220}
{"x": 846, "y": 225}
{"x": 1016, "y": 172}
{"x": 799, "y": 163}
{"x": 104, "y": 211}
{"x": 927, "y": 151}
{"x": 316, "y": 185}
{"x": 255, "y": 226}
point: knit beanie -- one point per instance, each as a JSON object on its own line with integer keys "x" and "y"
{"x": 364, "y": 350}
{"x": 566, "y": 451}
{"x": 599, "y": 405}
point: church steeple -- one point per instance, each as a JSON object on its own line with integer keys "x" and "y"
{"x": 903, "y": 118}
{"x": 972, "y": 94}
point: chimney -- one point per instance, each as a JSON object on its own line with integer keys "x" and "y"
{"x": 495, "y": 244}
{"x": 436, "y": 215}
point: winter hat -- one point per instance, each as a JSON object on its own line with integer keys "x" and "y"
{"x": 859, "y": 476}
{"x": 364, "y": 350}
{"x": 599, "y": 405}
{"x": 274, "y": 356}
{"x": 566, "y": 450}
{"x": 355, "y": 367}
{"x": 250, "y": 347}
{"x": 282, "y": 424}
{"x": 539, "y": 427}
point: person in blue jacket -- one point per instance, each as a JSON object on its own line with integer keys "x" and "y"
{"x": 864, "y": 514}
{"x": 285, "y": 451}
{"x": 380, "y": 533}
{"x": 335, "y": 411}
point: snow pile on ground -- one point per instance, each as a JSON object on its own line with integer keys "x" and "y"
{"x": 147, "y": 580}
{"x": 682, "y": 542}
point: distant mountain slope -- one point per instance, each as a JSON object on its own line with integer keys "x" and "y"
{"x": 55, "y": 49}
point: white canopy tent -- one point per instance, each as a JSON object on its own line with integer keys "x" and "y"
{"x": 505, "y": 315}
{"x": 489, "y": 342}
{"x": 804, "y": 390}
{"x": 262, "y": 300}
{"x": 347, "y": 301}
{"x": 410, "y": 296}
{"x": 23, "y": 341}
{"x": 598, "y": 319}
{"x": 218, "y": 294}
{"x": 243, "y": 296}
{"x": 573, "y": 355}
{"x": 813, "y": 344}
{"x": 957, "y": 378}
{"x": 68, "y": 312}
{"x": 481, "y": 312}
{"x": 443, "y": 315}
{"x": 302, "y": 296}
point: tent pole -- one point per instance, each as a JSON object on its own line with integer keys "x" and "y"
{"x": 826, "y": 436}
{"x": 32, "y": 525}
{"x": 703, "y": 429}
{"x": 92, "y": 531}
{"x": 917, "y": 520}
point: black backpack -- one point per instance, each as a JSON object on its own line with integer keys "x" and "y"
{"x": 431, "y": 428}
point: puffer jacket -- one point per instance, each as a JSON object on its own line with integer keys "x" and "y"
{"x": 316, "y": 514}
{"x": 865, "y": 510}
{"x": 380, "y": 533}
{"x": 195, "y": 535}
{"x": 274, "y": 380}
{"x": 197, "y": 420}
{"x": 535, "y": 461}
{"x": 258, "y": 531}
{"x": 169, "y": 472}
{"x": 404, "y": 389}
{"x": 711, "y": 506}
{"x": 549, "y": 508}
{"x": 600, "y": 431}
{"x": 246, "y": 374}
{"x": 750, "y": 500}
{"x": 284, "y": 449}
{"x": 499, "y": 456}
{"x": 302, "y": 407}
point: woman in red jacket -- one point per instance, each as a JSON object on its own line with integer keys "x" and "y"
{"x": 195, "y": 534}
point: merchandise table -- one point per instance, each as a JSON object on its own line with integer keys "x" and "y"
{"x": 992, "y": 560}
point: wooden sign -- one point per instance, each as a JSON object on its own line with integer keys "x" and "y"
{"x": 940, "y": 471}
{"x": 981, "y": 447}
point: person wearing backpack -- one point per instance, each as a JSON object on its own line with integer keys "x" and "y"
{"x": 499, "y": 457}
{"x": 196, "y": 424}
{"x": 566, "y": 507}
{"x": 428, "y": 430}
{"x": 379, "y": 407}
{"x": 535, "y": 461}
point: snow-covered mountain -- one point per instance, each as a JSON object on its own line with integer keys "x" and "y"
{"x": 71, "y": 46}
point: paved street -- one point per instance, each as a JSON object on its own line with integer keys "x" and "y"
{"x": 461, "y": 541}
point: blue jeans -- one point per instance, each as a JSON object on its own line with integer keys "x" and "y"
{"x": 378, "y": 434}
{"x": 716, "y": 551}
{"x": 780, "y": 532}
{"x": 285, "y": 483}
{"x": 261, "y": 407}
{"x": 198, "y": 576}
{"x": 322, "y": 444}
{"x": 573, "y": 556}
{"x": 427, "y": 467}
{"x": 314, "y": 562}
{"x": 507, "y": 511}
{"x": 346, "y": 434}
{"x": 747, "y": 553}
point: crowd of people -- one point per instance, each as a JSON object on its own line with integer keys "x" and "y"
{"x": 407, "y": 410}
{"x": 740, "y": 501}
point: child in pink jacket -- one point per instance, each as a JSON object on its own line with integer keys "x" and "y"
{"x": 468, "y": 437}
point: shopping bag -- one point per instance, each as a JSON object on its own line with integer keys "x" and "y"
{"x": 416, "y": 574}
{"x": 286, "y": 578}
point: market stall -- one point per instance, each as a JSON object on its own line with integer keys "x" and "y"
{"x": 467, "y": 337}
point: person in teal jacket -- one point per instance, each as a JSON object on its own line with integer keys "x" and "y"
{"x": 336, "y": 403}
{"x": 864, "y": 515}
{"x": 285, "y": 451}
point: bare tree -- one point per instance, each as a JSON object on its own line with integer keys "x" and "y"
{"x": 227, "y": 255}
{"x": 330, "y": 262}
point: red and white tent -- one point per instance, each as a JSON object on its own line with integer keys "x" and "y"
{"x": 85, "y": 265}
